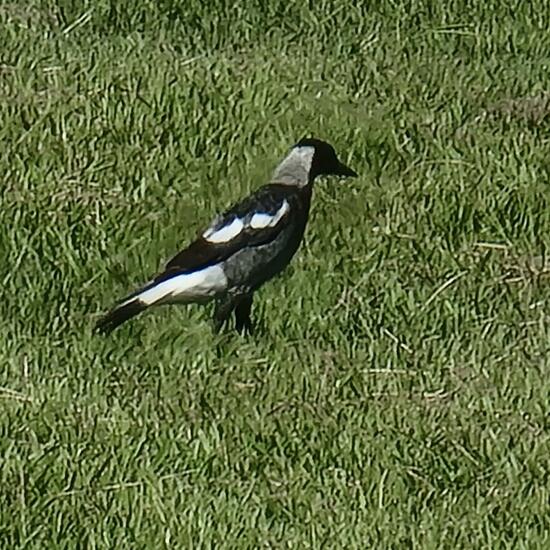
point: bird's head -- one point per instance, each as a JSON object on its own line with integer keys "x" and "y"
{"x": 309, "y": 158}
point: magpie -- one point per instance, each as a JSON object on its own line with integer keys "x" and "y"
{"x": 242, "y": 248}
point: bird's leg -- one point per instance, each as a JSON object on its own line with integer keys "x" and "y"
{"x": 243, "y": 323}
{"x": 223, "y": 311}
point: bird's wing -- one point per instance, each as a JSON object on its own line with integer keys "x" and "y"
{"x": 255, "y": 220}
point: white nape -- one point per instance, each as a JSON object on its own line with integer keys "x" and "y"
{"x": 295, "y": 167}
{"x": 262, "y": 220}
{"x": 186, "y": 287}
{"x": 224, "y": 233}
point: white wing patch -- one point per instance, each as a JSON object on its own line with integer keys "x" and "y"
{"x": 224, "y": 233}
{"x": 261, "y": 220}
{"x": 187, "y": 287}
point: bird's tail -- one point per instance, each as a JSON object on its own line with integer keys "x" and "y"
{"x": 169, "y": 287}
{"x": 156, "y": 292}
{"x": 130, "y": 306}
{"x": 120, "y": 314}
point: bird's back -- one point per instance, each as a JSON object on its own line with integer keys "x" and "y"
{"x": 250, "y": 266}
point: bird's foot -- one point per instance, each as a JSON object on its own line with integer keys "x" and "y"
{"x": 241, "y": 305}
{"x": 243, "y": 322}
{"x": 222, "y": 314}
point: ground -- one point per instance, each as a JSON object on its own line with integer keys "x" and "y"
{"x": 396, "y": 393}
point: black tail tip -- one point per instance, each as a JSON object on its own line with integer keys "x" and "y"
{"x": 119, "y": 315}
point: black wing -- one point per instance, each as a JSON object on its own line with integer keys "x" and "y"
{"x": 255, "y": 220}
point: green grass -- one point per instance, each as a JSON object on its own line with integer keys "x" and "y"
{"x": 397, "y": 394}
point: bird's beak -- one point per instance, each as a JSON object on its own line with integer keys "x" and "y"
{"x": 344, "y": 170}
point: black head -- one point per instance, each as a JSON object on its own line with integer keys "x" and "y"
{"x": 324, "y": 161}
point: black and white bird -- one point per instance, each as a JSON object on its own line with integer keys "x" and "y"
{"x": 244, "y": 247}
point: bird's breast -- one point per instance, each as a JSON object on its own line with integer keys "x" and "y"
{"x": 250, "y": 267}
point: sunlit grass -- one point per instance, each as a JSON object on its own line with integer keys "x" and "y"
{"x": 396, "y": 394}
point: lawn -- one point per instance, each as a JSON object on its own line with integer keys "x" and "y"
{"x": 396, "y": 392}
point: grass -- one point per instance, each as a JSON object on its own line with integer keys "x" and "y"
{"x": 397, "y": 393}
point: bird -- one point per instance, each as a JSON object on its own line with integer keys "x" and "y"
{"x": 241, "y": 249}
